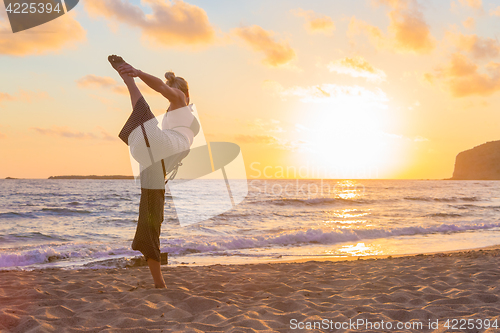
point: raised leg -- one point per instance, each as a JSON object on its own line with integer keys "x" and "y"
{"x": 135, "y": 93}
{"x": 116, "y": 62}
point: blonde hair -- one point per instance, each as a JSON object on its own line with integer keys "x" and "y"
{"x": 177, "y": 82}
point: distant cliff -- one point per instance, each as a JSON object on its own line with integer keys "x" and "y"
{"x": 479, "y": 163}
{"x": 91, "y": 177}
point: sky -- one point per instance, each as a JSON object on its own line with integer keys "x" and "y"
{"x": 308, "y": 89}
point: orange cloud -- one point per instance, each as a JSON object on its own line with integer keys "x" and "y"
{"x": 52, "y": 36}
{"x": 95, "y": 81}
{"x": 23, "y": 96}
{"x": 476, "y": 4}
{"x": 6, "y": 97}
{"x": 66, "y": 132}
{"x": 260, "y": 40}
{"x": 108, "y": 102}
{"x": 357, "y": 67}
{"x": 480, "y": 48}
{"x": 266, "y": 139}
{"x": 374, "y": 34}
{"x": 495, "y": 12}
{"x": 428, "y": 77}
{"x": 469, "y": 23}
{"x": 267, "y": 126}
{"x": 92, "y": 81}
{"x": 329, "y": 93}
{"x": 460, "y": 66}
{"x": 408, "y": 29}
{"x": 275, "y": 142}
{"x": 169, "y": 24}
{"x": 463, "y": 78}
{"x": 315, "y": 22}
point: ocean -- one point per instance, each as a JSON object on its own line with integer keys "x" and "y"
{"x": 77, "y": 224}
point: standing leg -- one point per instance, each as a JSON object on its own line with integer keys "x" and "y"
{"x": 155, "y": 269}
{"x": 147, "y": 235}
{"x": 147, "y": 238}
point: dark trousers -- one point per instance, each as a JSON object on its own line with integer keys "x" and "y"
{"x": 147, "y": 235}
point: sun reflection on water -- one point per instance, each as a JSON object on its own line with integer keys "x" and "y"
{"x": 346, "y": 217}
{"x": 349, "y": 189}
{"x": 360, "y": 249}
{"x": 344, "y": 224}
{"x": 348, "y": 212}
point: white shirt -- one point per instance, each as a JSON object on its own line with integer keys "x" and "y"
{"x": 179, "y": 120}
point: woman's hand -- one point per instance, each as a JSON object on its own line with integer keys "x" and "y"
{"x": 128, "y": 70}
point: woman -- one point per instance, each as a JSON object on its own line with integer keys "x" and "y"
{"x": 153, "y": 148}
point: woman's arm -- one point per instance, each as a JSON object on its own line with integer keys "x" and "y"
{"x": 152, "y": 81}
{"x": 157, "y": 84}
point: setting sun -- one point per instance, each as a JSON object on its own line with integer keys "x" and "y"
{"x": 345, "y": 138}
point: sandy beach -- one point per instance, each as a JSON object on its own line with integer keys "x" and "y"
{"x": 277, "y": 297}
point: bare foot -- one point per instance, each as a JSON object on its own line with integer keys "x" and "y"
{"x": 116, "y": 62}
{"x": 164, "y": 286}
